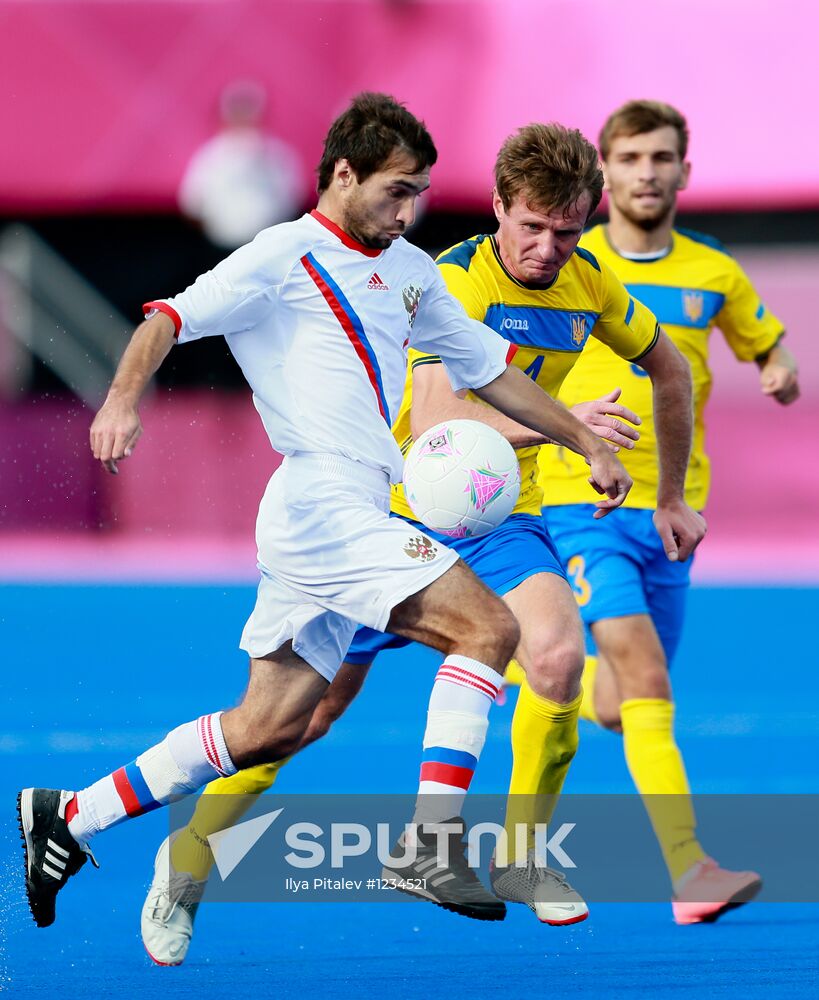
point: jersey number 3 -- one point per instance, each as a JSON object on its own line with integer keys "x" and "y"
{"x": 576, "y": 569}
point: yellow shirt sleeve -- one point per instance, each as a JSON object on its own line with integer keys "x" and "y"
{"x": 625, "y": 324}
{"x": 749, "y": 329}
{"x": 465, "y": 289}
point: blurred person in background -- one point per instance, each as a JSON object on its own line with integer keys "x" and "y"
{"x": 631, "y": 597}
{"x": 243, "y": 179}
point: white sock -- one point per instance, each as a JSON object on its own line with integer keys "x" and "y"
{"x": 457, "y": 721}
{"x": 189, "y": 757}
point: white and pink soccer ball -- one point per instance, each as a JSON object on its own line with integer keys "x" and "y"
{"x": 461, "y": 478}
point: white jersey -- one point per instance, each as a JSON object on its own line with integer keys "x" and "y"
{"x": 320, "y": 325}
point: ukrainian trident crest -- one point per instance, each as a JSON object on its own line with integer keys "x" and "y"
{"x": 578, "y": 328}
{"x": 693, "y": 305}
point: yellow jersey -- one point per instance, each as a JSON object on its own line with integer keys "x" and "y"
{"x": 550, "y": 327}
{"x": 694, "y": 287}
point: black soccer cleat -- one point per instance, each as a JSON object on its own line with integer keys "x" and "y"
{"x": 453, "y": 885}
{"x": 52, "y": 854}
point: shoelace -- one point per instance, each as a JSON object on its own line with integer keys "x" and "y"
{"x": 90, "y": 854}
{"x": 537, "y": 871}
{"x": 181, "y": 890}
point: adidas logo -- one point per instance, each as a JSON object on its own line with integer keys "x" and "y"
{"x": 376, "y": 284}
{"x": 55, "y": 860}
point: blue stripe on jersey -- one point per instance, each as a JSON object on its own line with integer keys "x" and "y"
{"x": 692, "y": 307}
{"x": 358, "y": 327}
{"x": 629, "y": 311}
{"x": 705, "y": 239}
{"x": 550, "y": 329}
{"x": 445, "y": 755}
{"x": 588, "y": 256}
{"x": 760, "y": 311}
{"x": 462, "y": 254}
{"x": 141, "y": 790}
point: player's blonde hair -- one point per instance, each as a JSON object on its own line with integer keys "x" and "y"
{"x": 639, "y": 117}
{"x": 550, "y": 165}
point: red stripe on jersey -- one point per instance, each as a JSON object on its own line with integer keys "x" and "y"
{"x": 446, "y": 774}
{"x": 513, "y": 350}
{"x": 349, "y": 329}
{"x": 163, "y": 307}
{"x": 126, "y": 793}
{"x": 345, "y": 238}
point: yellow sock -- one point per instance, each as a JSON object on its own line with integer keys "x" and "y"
{"x": 514, "y": 673}
{"x": 587, "y": 710}
{"x": 658, "y": 771}
{"x": 221, "y": 803}
{"x": 544, "y": 741}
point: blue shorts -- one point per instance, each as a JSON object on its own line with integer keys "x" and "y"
{"x": 518, "y": 548}
{"x": 617, "y": 566}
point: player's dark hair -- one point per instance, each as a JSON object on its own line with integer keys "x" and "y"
{"x": 551, "y": 166}
{"x": 639, "y": 117}
{"x": 368, "y": 133}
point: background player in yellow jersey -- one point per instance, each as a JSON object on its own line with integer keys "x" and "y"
{"x": 630, "y": 595}
{"x": 531, "y": 284}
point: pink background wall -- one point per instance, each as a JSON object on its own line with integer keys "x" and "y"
{"x": 105, "y": 100}
{"x": 185, "y": 504}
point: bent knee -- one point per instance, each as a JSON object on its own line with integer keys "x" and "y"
{"x": 557, "y": 662}
{"x": 265, "y": 746}
{"x": 320, "y": 724}
{"x": 492, "y": 638}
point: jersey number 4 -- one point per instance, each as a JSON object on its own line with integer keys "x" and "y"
{"x": 534, "y": 368}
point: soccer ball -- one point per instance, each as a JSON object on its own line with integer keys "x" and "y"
{"x": 461, "y": 478}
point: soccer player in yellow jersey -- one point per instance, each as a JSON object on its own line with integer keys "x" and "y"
{"x": 631, "y": 596}
{"x": 531, "y": 283}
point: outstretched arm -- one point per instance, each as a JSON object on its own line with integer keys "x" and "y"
{"x": 434, "y": 400}
{"x": 116, "y": 427}
{"x": 517, "y": 396}
{"x": 680, "y": 527}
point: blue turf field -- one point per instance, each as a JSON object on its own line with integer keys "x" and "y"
{"x": 94, "y": 674}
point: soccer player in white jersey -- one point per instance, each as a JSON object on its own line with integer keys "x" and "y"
{"x": 325, "y": 356}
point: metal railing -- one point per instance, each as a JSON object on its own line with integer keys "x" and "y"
{"x": 58, "y": 316}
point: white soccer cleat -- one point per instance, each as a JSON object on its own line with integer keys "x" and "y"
{"x": 169, "y": 910}
{"x": 544, "y": 890}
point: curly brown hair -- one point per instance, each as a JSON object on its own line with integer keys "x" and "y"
{"x": 368, "y": 133}
{"x": 550, "y": 165}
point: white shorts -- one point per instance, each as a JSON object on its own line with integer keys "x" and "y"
{"x": 332, "y": 558}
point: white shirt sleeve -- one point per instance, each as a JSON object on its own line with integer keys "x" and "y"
{"x": 472, "y": 353}
{"x": 240, "y": 292}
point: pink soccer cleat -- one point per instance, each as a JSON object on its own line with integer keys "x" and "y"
{"x": 706, "y": 891}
